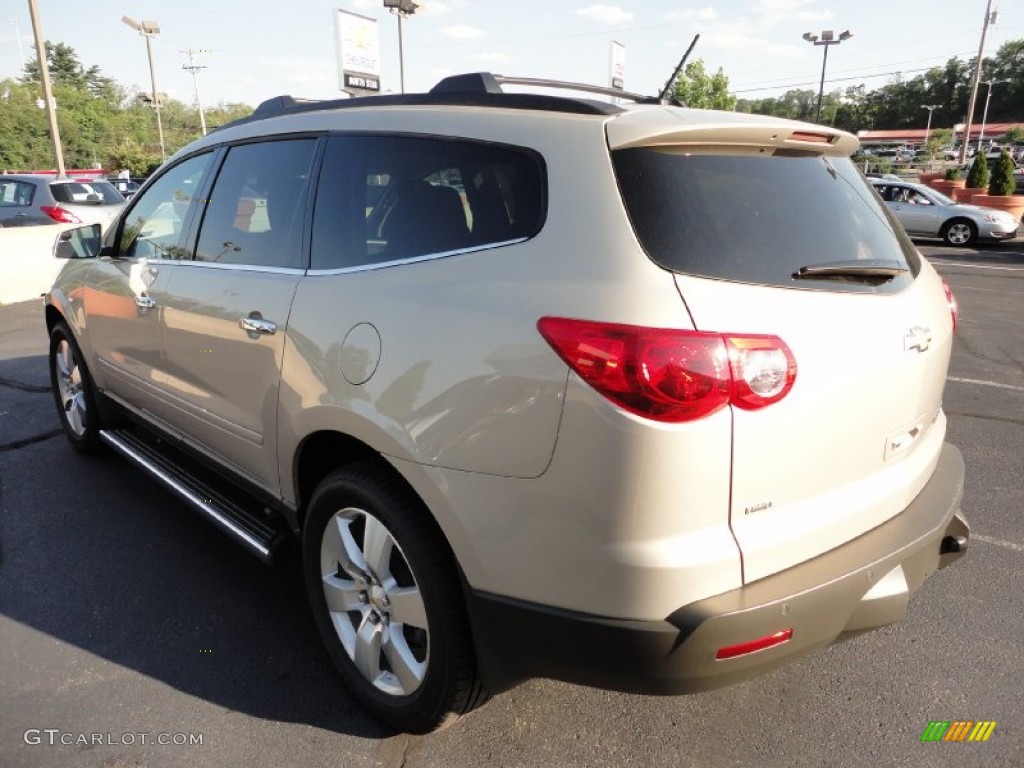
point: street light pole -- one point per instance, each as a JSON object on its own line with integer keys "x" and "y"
{"x": 827, "y": 39}
{"x": 149, "y": 30}
{"x": 401, "y": 8}
{"x": 928, "y": 129}
{"x": 984, "y": 114}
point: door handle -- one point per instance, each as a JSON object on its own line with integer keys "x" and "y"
{"x": 254, "y": 325}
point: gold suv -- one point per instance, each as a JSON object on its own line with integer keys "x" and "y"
{"x": 634, "y": 396}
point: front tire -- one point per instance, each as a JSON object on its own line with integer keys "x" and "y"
{"x": 73, "y": 391}
{"x": 959, "y": 232}
{"x": 386, "y": 597}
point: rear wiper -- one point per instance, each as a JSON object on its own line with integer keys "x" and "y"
{"x": 867, "y": 270}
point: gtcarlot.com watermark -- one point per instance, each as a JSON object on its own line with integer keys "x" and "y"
{"x": 56, "y": 737}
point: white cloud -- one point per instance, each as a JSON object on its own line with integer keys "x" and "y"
{"x": 772, "y": 11}
{"x": 496, "y": 57}
{"x": 463, "y": 32}
{"x": 746, "y": 40}
{"x": 706, "y": 14}
{"x": 610, "y": 14}
{"x": 432, "y": 8}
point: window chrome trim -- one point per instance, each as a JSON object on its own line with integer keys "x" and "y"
{"x": 415, "y": 259}
{"x": 233, "y": 267}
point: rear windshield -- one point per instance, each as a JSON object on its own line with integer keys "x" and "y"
{"x": 760, "y": 219}
{"x": 86, "y": 192}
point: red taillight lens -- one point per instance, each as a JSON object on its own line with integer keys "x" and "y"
{"x": 954, "y": 307}
{"x": 672, "y": 375}
{"x": 60, "y": 215}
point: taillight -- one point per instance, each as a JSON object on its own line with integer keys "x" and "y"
{"x": 954, "y": 308}
{"x": 763, "y": 370}
{"x": 673, "y": 375}
{"x": 60, "y": 215}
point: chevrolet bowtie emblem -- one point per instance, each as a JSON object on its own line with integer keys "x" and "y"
{"x": 917, "y": 338}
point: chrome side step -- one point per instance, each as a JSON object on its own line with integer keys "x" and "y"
{"x": 248, "y": 527}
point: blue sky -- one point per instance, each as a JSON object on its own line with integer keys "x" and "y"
{"x": 262, "y": 48}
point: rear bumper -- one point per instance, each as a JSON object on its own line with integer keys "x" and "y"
{"x": 863, "y": 584}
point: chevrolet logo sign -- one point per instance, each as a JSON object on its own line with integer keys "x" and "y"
{"x": 917, "y": 338}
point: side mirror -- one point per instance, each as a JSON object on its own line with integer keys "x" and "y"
{"x": 78, "y": 243}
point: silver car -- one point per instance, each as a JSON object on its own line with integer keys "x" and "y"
{"x": 925, "y": 212}
{"x": 28, "y": 200}
{"x": 634, "y": 396}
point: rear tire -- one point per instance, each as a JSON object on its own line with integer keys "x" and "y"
{"x": 959, "y": 232}
{"x": 387, "y": 599}
{"x": 73, "y": 391}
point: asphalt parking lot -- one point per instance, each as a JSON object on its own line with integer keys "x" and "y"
{"x": 126, "y": 621}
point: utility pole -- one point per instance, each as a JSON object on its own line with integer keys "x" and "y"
{"x": 194, "y": 68}
{"x": 990, "y": 18}
{"x": 44, "y": 75}
{"x": 21, "y": 48}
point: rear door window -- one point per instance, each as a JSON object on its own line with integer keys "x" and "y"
{"x": 387, "y": 198}
{"x": 759, "y": 219}
{"x": 16, "y": 194}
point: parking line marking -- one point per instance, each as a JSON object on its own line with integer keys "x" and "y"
{"x": 986, "y": 383}
{"x": 999, "y": 542}
{"x": 976, "y": 266}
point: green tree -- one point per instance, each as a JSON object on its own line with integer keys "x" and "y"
{"x": 977, "y": 176}
{"x": 1002, "y": 182}
{"x": 694, "y": 87}
{"x": 66, "y": 70}
{"x": 1015, "y": 135}
{"x": 938, "y": 140}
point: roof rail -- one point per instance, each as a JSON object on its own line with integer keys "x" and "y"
{"x": 474, "y": 89}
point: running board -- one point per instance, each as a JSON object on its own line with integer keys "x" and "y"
{"x": 253, "y": 530}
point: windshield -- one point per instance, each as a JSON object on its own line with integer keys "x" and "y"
{"x": 759, "y": 219}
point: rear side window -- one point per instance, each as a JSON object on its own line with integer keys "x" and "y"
{"x": 16, "y": 194}
{"x": 387, "y": 198}
{"x": 757, "y": 219}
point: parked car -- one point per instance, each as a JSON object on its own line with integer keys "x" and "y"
{"x": 925, "y": 212}
{"x": 531, "y": 379}
{"x": 126, "y": 187}
{"x": 35, "y": 199}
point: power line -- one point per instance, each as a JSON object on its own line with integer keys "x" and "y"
{"x": 836, "y": 80}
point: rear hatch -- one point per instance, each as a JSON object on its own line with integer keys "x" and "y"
{"x": 769, "y": 229}
{"x": 92, "y": 201}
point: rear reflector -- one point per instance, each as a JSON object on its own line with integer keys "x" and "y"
{"x": 673, "y": 375}
{"x": 954, "y": 307}
{"x": 732, "y": 651}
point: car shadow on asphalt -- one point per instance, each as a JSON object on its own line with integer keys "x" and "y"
{"x": 98, "y": 556}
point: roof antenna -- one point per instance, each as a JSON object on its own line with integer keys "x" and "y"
{"x": 671, "y": 81}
